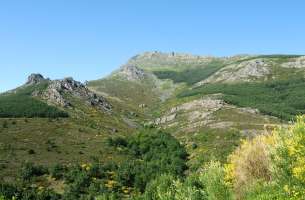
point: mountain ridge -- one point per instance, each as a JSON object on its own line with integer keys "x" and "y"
{"x": 206, "y": 103}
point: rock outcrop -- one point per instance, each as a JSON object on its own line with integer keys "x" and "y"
{"x": 160, "y": 59}
{"x": 132, "y": 73}
{"x": 295, "y": 63}
{"x": 35, "y": 79}
{"x": 57, "y": 88}
{"x": 243, "y": 72}
{"x": 194, "y": 113}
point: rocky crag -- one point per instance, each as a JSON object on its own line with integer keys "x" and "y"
{"x": 57, "y": 90}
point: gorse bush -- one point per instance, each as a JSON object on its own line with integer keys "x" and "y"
{"x": 29, "y": 171}
{"x": 270, "y": 166}
{"x": 205, "y": 185}
{"x": 215, "y": 186}
{"x": 167, "y": 187}
{"x": 249, "y": 163}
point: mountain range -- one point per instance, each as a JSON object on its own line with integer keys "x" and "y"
{"x": 207, "y": 103}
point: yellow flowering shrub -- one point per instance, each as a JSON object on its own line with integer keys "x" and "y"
{"x": 277, "y": 159}
{"x": 295, "y": 144}
{"x": 248, "y": 163}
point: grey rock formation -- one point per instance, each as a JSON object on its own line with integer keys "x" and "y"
{"x": 295, "y": 63}
{"x": 132, "y": 73}
{"x": 160, "y": 59}
{"x": 242, "y": 72}
{"x": 58, "y": 88}
{"x": 34, "y": 79}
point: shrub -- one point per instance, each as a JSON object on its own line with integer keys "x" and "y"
{"x": 7, "y": 191}
{"x": 213, "y": 179}
{"x": 167, "y": 187}
{"x": 57, "y": 171}
{"x": 117, "y": 141}
{"x": 4, "y": 124}
{"x": 249, "y": 163}
{"x": 31, "y": 151}
{"x": 270, "y": 166}
{"x": 29, "y": 170}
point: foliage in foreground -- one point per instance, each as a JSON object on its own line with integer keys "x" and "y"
{"x": 148, "y": 154}
{"x": 270, "y": 166}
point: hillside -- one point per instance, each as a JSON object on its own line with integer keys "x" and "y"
{"x": 160, "y": 113}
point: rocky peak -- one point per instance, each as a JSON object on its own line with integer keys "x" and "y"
{"x": 55, "y": 94}
{"x": 67, "y": 84}
{"x": 132, "y": 72}
{"x": 34, "y": 79}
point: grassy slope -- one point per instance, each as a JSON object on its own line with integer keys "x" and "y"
{"x": 131, "y": 93}
{"x": 76, "y": 139}
{"x": 20, "y": 103}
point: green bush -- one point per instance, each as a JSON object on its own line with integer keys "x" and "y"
{"x": 7, "y": 191}
{"x": 213, "y": 178}
{"x": 29, "y": 171}
{"x": 4, "y": 124}
{"x": 149, "y": 153}
{"x": 58, "y": 171}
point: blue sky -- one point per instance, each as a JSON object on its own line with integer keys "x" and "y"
{"x": 88, "y": 39}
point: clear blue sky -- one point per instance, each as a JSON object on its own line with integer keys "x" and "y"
{"x": 88, "y": 39}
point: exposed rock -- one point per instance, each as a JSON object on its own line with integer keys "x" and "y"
{"x": 165, "y": 119}
{"x": 159, "y": 59}
{"x": 142, "y": 105}
{"x": 242, "y": 72}
{"x": 249, "y": 110}
{"x": 114, "y": 130}
{"x": 57, "y": 88}
{"x": 132, "y": 73}
{"x": 193, "y": 113}
{"x": 295, "y": 63}
{"x": 130, "y": 123}
{"x": 221, "y": 125}
{"x": 35, "y": 79}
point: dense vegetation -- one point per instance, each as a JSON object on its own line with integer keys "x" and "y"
{"x": 190, "y": 75}
{"x": 22, "y": 104}
{"x": 282, "y": 98}
{"x": 148, "y": 154}
{"x": 266, "y": 167}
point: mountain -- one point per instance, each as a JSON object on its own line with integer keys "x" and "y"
{"x": 199, "y": 99}
{"x": 208, "y": 104}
